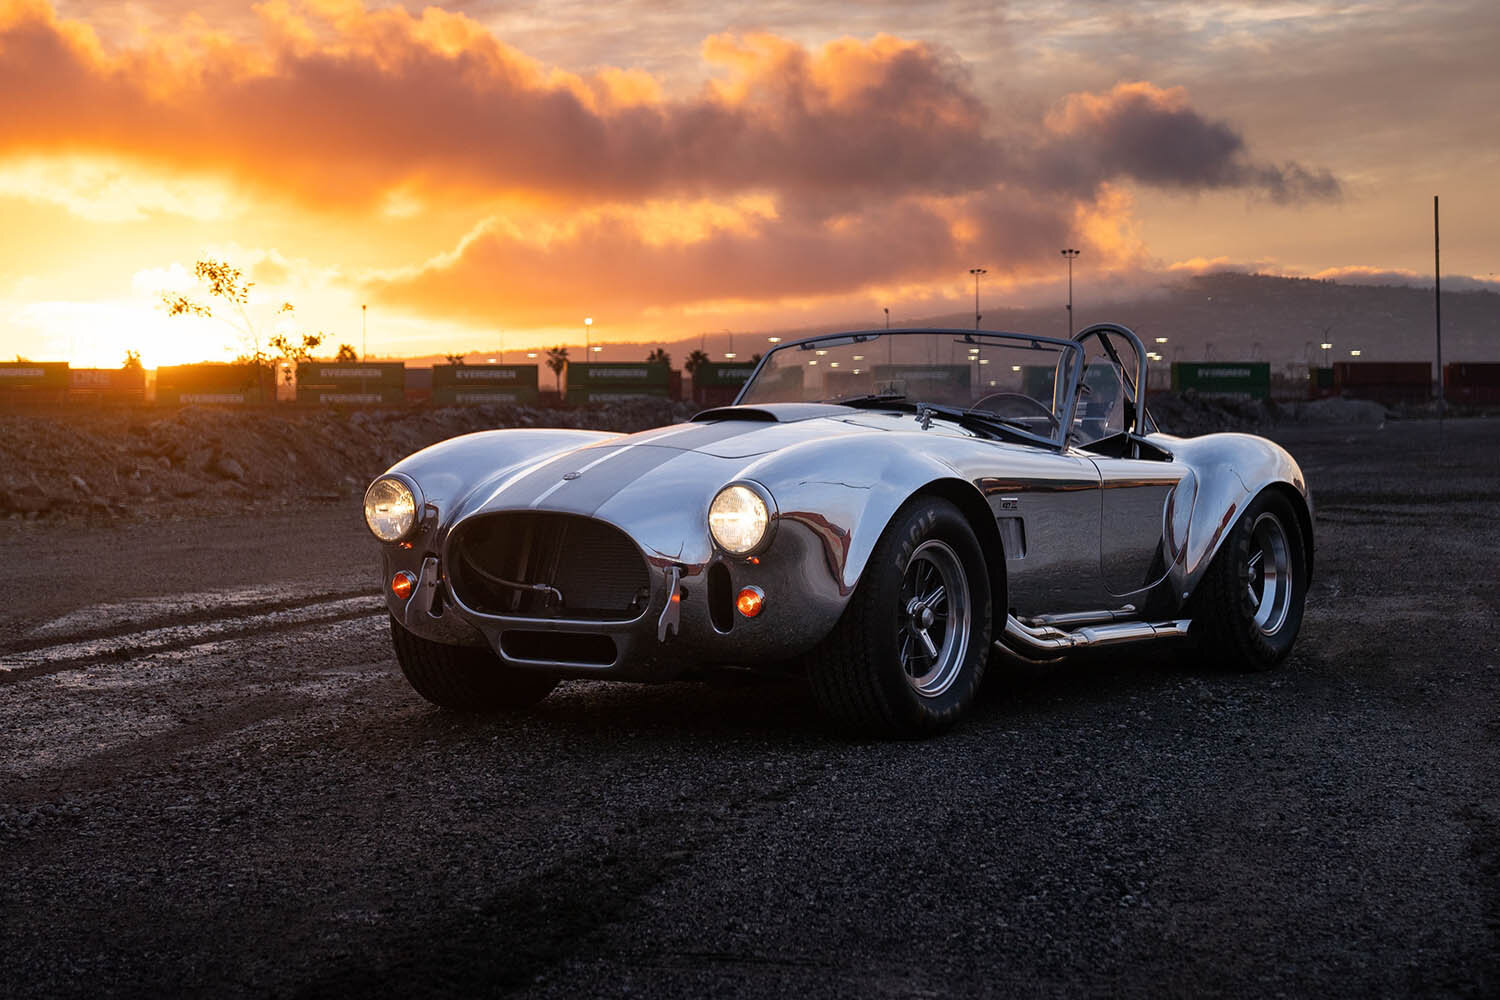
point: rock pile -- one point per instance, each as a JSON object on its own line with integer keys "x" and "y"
{"x": 207, "y": 460}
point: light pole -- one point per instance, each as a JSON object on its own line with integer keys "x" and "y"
{"x": 729, "y": 355}
{"x": 887, "y": 316}
{"x": 1070, "y": 254}
{"x": 976, "y": 272}
{"x": 364, "y": 331}
{"x": 588, "y": 329}
{"x": 1326, "y": 346}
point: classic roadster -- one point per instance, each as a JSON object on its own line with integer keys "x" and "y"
{"x": 880, "y": 510}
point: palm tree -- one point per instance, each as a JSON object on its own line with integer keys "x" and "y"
{"x": 659, "y": 357}
{"x": 694, "y": 359}
{"x": 557, "y": 360}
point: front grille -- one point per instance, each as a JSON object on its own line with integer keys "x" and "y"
{"x": 544, "y": 565}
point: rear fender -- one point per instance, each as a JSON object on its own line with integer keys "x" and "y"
{"x": 1231, "y": 469}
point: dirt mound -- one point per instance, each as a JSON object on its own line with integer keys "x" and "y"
{"x": 207, "y": 460}
{"x": 1189, "y": 413}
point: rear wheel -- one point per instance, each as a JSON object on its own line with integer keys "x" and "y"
{"x": 465, "y": 678}
{"x": 1249, "y": 606}
{"x": 907, "y": 656}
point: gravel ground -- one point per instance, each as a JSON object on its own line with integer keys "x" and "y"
{"x": 214, "y": 782}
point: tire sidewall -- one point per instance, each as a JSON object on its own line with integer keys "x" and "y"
{"x": 932, "y": 518}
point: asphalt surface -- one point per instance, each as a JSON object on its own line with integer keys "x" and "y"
{"x": 213, "y": 781}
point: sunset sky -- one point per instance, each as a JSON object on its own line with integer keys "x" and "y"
{"x": 488, "y": 173}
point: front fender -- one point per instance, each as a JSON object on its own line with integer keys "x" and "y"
{"x": 846, "y": 492}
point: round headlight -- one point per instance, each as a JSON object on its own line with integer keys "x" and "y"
{"x": 390, "y": 509}
{"x": 738, "y": 519}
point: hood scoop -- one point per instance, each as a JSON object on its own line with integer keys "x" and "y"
{"x": 772, "y": 413}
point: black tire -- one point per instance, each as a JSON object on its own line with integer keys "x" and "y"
{"x": 465, "y": 678}
{"x": 859, "y": 673}
{"x": 1248, "y": 608}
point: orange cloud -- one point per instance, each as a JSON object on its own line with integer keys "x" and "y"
{"x": 615, "y": 262}
{"x": 336, "y": 105}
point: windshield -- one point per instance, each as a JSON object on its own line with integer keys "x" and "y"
{"x": 1011, "y": 375}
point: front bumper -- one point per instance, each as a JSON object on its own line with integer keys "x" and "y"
{"x": 803, "y": 601}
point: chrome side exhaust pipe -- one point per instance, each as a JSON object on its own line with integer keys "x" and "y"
{"x": 1048, "y": 640}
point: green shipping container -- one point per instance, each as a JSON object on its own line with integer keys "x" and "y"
{"x": 485, "y": 378}
{"x": 352, "y": 376}
{"x": 619, "y": 377}
{"x": 730, "y": 373}
{"x": 33, "y": 375}
{"x": 351, "y": 395}
{"x": 215, "y": 385}
{"x": 1237, "y": 379}
{"x": 483, "y": 395}
{"x": 580, "y": 394}
{"x": 934, "y": 383}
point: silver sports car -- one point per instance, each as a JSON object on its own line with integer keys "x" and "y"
{"x": 881, "y": 511}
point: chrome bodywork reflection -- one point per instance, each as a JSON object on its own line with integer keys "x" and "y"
{"x": 1079, "y": 533}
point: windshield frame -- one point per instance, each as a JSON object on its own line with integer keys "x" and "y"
{"x": 1068, "y": 372}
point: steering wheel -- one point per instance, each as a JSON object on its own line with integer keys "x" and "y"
{"x": 1021, "y": 397}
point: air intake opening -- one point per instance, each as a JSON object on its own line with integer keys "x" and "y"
{"x": 720, "y": 597}
{"x": 588, "y": 649}
{"x": 545, "y": 565}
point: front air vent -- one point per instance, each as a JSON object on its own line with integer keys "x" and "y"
{"x": 588, "y": 650}
{"x": 720, "y": 598}
{"x": 536, "y": 564}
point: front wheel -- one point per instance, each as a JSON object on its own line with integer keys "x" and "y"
{"x": 1248, "y": 608}
{"x": 465, "y": 678}
{"x": 907, "y": 656}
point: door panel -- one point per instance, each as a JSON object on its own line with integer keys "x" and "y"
{"x": 1138, "y": 503}
{"x": 1047, "y": 509}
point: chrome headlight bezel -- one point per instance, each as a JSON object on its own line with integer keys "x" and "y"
{"x": 407, "y": 522}
{"x": 767, "y": 504}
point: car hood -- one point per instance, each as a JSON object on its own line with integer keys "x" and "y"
{"x": 668, "y": 466}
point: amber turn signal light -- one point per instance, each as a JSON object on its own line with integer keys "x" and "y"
{"x": 402, "y": 584}
{"x": 750, "y": 601}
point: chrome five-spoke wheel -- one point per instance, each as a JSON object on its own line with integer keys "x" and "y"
{"x": 1248, "y": 607}
{"x": 909, "y": 652}
{"x": 934, "y": 629}
{"x": 1269, "y": 574}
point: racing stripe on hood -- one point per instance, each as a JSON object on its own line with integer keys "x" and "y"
{"x": 603, "y": 469}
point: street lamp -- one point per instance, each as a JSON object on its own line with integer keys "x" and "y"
{"x": 1326, "y": 348}
{"x": 729, "y": 355}
{"x": 588, "y": 326}
{"x": 887, "y": 316}
{"x": 976, "y": 272}
{"x": 1070, "y": 254}
{"x": 1354, "y": 352}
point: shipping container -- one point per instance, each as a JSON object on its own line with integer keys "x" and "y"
{"x": 1225, "y": 379}
{"x": 351, "y": 383}
{"x": 934, "y": 383}
{"x": 493, "y": 385}
{"x": 613, "y": 381}
{"x": 1471, "y": 382}
{"x": 1384, "y": 381}
{"x": 33, "y": 383}
{"x": 107, "y": 386}
{"x": 717, "y": 383}
{"x": 1320, "y": 383}
{"x": 215, "y": 385}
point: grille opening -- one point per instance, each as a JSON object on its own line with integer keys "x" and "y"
{"x": 720, "y": 597}
{"x": 558, "y": 647}
{"x": 544, "y": 565}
